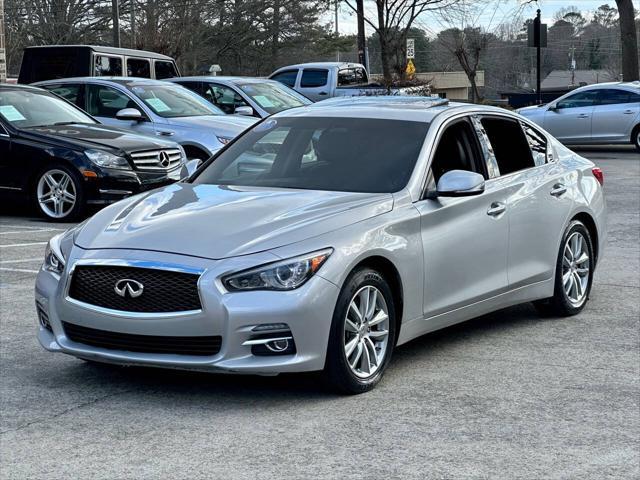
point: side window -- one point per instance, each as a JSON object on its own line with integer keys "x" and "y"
{"x": 164, "y": 69}
{"x": 314, "y": 77}
{"x": 287, "y": 77}
{"x": 138, "y": 67}
{"x": 509, "y": 144}
{"x": 611, "y": 96}
{"x": 105, "y": 101}
{"x": 537, "y": 145}
{"x": 223, "y": 97}
{"x": 70, "y": 92}
{"x": 580, "y": 99}
{"x": 457, "y": 150}
{"x": 106, "y": 66}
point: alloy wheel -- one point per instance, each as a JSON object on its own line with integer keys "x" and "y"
{"x": 56, "y": 193}
{"x": 366, "y": 332}
{"x": 576, "y": 266}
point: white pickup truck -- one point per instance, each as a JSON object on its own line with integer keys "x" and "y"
{"x": 321, "y": 80}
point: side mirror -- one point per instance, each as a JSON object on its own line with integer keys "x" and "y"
{"x": 189, "y": 168}
{"x": 460, "y": 183}
{"x": 132, "y": 114}
{"x": 552, "y": 107}
{"x": 244, "y": 110}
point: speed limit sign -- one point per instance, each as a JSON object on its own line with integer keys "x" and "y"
{"x": 411, "y": 48}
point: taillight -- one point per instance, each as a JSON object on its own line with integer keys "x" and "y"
{"x": 597, "y": 172}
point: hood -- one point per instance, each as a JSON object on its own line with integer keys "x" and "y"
{"x": 222, "y": 125}
{"x": 534, "y": 108}
{"x": 217, "y": 222}
{"x": 87, "y": 136}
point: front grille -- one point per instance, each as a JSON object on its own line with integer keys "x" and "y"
{"x": 166, "y": 159}
{"x": 142, "y": 343}
{"x": 163, "y": 290}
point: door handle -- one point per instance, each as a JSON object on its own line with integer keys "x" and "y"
{"x": 583, "y": 115}
{"x": 165, "y": 133}
{"x": 496, "y": 209}
{"x": 558, "y": 189}
{"x": 628, "y": 112}
{"x": 322, "y": 93}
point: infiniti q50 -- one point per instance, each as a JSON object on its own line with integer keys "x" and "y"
{"x": 323, "y": 238}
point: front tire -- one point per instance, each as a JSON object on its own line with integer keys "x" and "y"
{"x": 362, "y": 333}
{"x": 635, "y": 137}
{"x": 58, "y": 194}
{"x": 574, "y": 273}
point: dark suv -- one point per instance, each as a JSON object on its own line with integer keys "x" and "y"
{"x": 61, "y": 159}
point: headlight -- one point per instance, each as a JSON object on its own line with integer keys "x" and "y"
{"x": 224, "y": 140}
{"x": 53, "y": 258}
{"x": 284, "y": 275}
{"x": 107, "y": 160}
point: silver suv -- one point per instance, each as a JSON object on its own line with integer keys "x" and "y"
{"x": 606, "y": 113}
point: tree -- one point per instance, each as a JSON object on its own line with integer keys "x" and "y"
{"x": 393, "y": 20}
{"x": 629, "y": 40}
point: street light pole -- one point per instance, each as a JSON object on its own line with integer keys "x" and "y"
{"x": 537, "y": 26}
{"x": 3, "y": 54}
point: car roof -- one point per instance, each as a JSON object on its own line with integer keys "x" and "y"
{"x": 112, "y": 50}
{"x": 125, "y": 81}
{"x": 384, "y": 107}
{"x": 320, "y": 65}
{"x": 635, "y": 85}
{"x": 225, "y": 79}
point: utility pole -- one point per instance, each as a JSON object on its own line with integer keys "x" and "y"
{"x": 362, "y": 45}
{"x": 572, "y": 66}
{"x": 536, "y": 25}
{"x": 3, "y": 54}
{"x": 115, "y": 14}
{"x": 336, "y": 16}
{"x": 133, "y": 23}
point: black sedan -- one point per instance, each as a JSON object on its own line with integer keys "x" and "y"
{"x": 61, "y": 159}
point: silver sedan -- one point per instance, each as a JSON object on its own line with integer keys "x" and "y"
{"x": 606, "y": 113}
{"x": 322, "y": 238}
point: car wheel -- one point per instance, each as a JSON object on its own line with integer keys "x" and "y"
{"x": 362, "y": 333}
{"x": 574, "y": 273}
{"x": 58, "y": 194}
{"x": 635, "y": 137}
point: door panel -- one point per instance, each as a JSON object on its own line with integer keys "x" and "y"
{"x": 314, "y": 83}
{"x": 570, "y": 122}
{"x": 614, "y": 115}
{"x": 465, "y": 250}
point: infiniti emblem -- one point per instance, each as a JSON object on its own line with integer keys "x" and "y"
{"x": 163, "y": 159}
{"x": 127, "y": 287}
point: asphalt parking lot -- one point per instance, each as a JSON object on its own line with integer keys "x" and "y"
{"x": 508, "y": 395}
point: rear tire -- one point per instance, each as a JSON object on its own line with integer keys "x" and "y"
{"x": 362, "y": 333}
{"x": 635, "y": 137}
{"x": 574, "y": 274}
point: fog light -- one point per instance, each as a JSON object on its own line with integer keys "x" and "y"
{"x": 278, "y": 346}
{"x": 44, "y": 319}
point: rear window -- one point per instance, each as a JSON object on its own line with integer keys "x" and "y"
{"x": 352, "y": 76}
{"x": 165, "y": 69}
{"x": 312, "y": 77}
{"x": 137, "y": 67}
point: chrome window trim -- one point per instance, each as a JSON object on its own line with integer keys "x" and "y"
{"x": 135, "y": 264}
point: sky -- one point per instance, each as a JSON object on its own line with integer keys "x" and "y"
{"x": 491, "y": 13}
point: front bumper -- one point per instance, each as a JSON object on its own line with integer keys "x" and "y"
{"x": 307, "y": 311}
{"x": 112, "y": 185}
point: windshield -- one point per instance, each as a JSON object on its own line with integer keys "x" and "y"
{"x": 24, "y": 109}
{"x": 317, "y": 153}
{"x": 174, "y": 101}
{"x": 273, "y": 98}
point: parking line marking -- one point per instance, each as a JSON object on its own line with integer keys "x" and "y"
{"x": 26, "y": 227}
{"x": 24, "y": 260}
{"x": 22, "y": 270}
{"x": 22, "y": 244}
{"x": 28, "y": 231}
